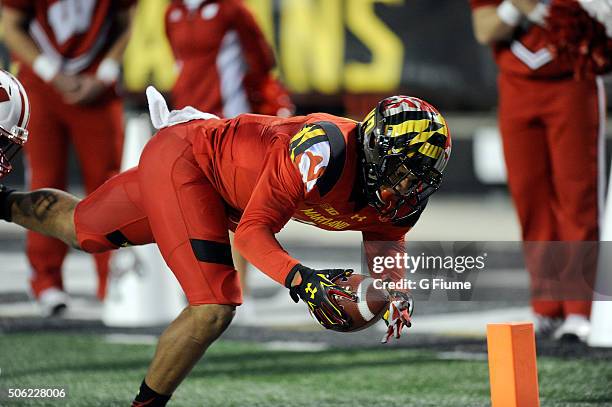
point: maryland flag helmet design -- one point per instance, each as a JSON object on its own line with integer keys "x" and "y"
{"x": 405, "y": 146}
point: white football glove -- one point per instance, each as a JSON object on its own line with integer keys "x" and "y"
{"x": 398, "y": 315}
{"x": 600, "y": 10}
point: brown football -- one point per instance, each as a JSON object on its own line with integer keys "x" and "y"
{"x": 369, "y": 308}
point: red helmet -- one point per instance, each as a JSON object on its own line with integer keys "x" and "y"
{"x": 14, "y": 116}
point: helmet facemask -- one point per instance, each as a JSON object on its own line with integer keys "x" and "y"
{"x": 405, "y": 147}
{"x": 10, "y": 145}
{"x": 405, "y": 187}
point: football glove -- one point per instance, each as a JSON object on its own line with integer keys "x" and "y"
{"x": 318, "y": 289}
{"x": 398, "y": 315}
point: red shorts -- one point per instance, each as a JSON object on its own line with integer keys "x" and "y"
{"x": 167, "y": 199}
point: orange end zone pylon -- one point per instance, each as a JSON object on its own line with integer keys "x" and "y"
{"x": 513, "y": 371}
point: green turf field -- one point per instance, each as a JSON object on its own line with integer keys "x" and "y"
{"x": 99, "y": 373}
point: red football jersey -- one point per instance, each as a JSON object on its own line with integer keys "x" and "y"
{"x": 270, "y": 170}
{"x": 79, "y": 32}
{"x": 220, "y": 52}
{"x": 526, "y": 53}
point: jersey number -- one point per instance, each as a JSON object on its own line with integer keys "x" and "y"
{"x": 70, "y": 17}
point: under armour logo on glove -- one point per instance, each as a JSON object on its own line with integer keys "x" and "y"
{"x": 311, "y": 291}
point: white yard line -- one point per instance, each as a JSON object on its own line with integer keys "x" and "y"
{"x": 458, "y": 355}
{"x": 131, "y": 339}
{"x": 295, "y": 346}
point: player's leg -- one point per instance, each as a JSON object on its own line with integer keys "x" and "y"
{"x": 527, "y": 160}
{"x": 46, "y": 157}
{"x": 527, "y": 157}
{"x": 112, "y": 216}
{"x": 97, "y": 135}
{"x": 576, "y": 122}
{"x": 184, "y": 342}
{"x": 109, "y": 218}
{"x": 187, "y": 217}
{"x": 576, "y": 136}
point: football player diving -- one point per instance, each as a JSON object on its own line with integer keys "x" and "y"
{"x": 200, "y": 176}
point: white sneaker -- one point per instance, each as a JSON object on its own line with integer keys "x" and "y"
{"x": 575, "y": 327}
{"x": 544, "y": 326}
{"x": 52, "y": 302}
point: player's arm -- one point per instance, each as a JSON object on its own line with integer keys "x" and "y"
{"x": 401, "y": 306}
{"x": 265, "y": 92}
{"x": 273, "y": 202}
{"x": 109, "y": 69}
{"x": 389, "y": 242}
{"x": 15, "y": 34}
{"x": 257, "y": 51}
{"x": 274, "y": 199}
{"x": 288, "y": 177}
{"x": 493, "y": 23}
{"x": 381, "y": 245}
{"x": 123, "y": 23}
{"x": 16, "y": 16}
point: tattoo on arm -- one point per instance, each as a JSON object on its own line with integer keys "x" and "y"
{"x": 47, "y": 211}
{"x": 37, "y": 204}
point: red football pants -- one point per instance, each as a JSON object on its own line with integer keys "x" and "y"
{"x": 96, "y": 133}
{"x": 167, "y": 199}
{"x": 553, "y": 144}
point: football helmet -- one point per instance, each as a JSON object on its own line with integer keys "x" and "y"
{"x": 14, "y": 116}
{"x": 405, "y": 145}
